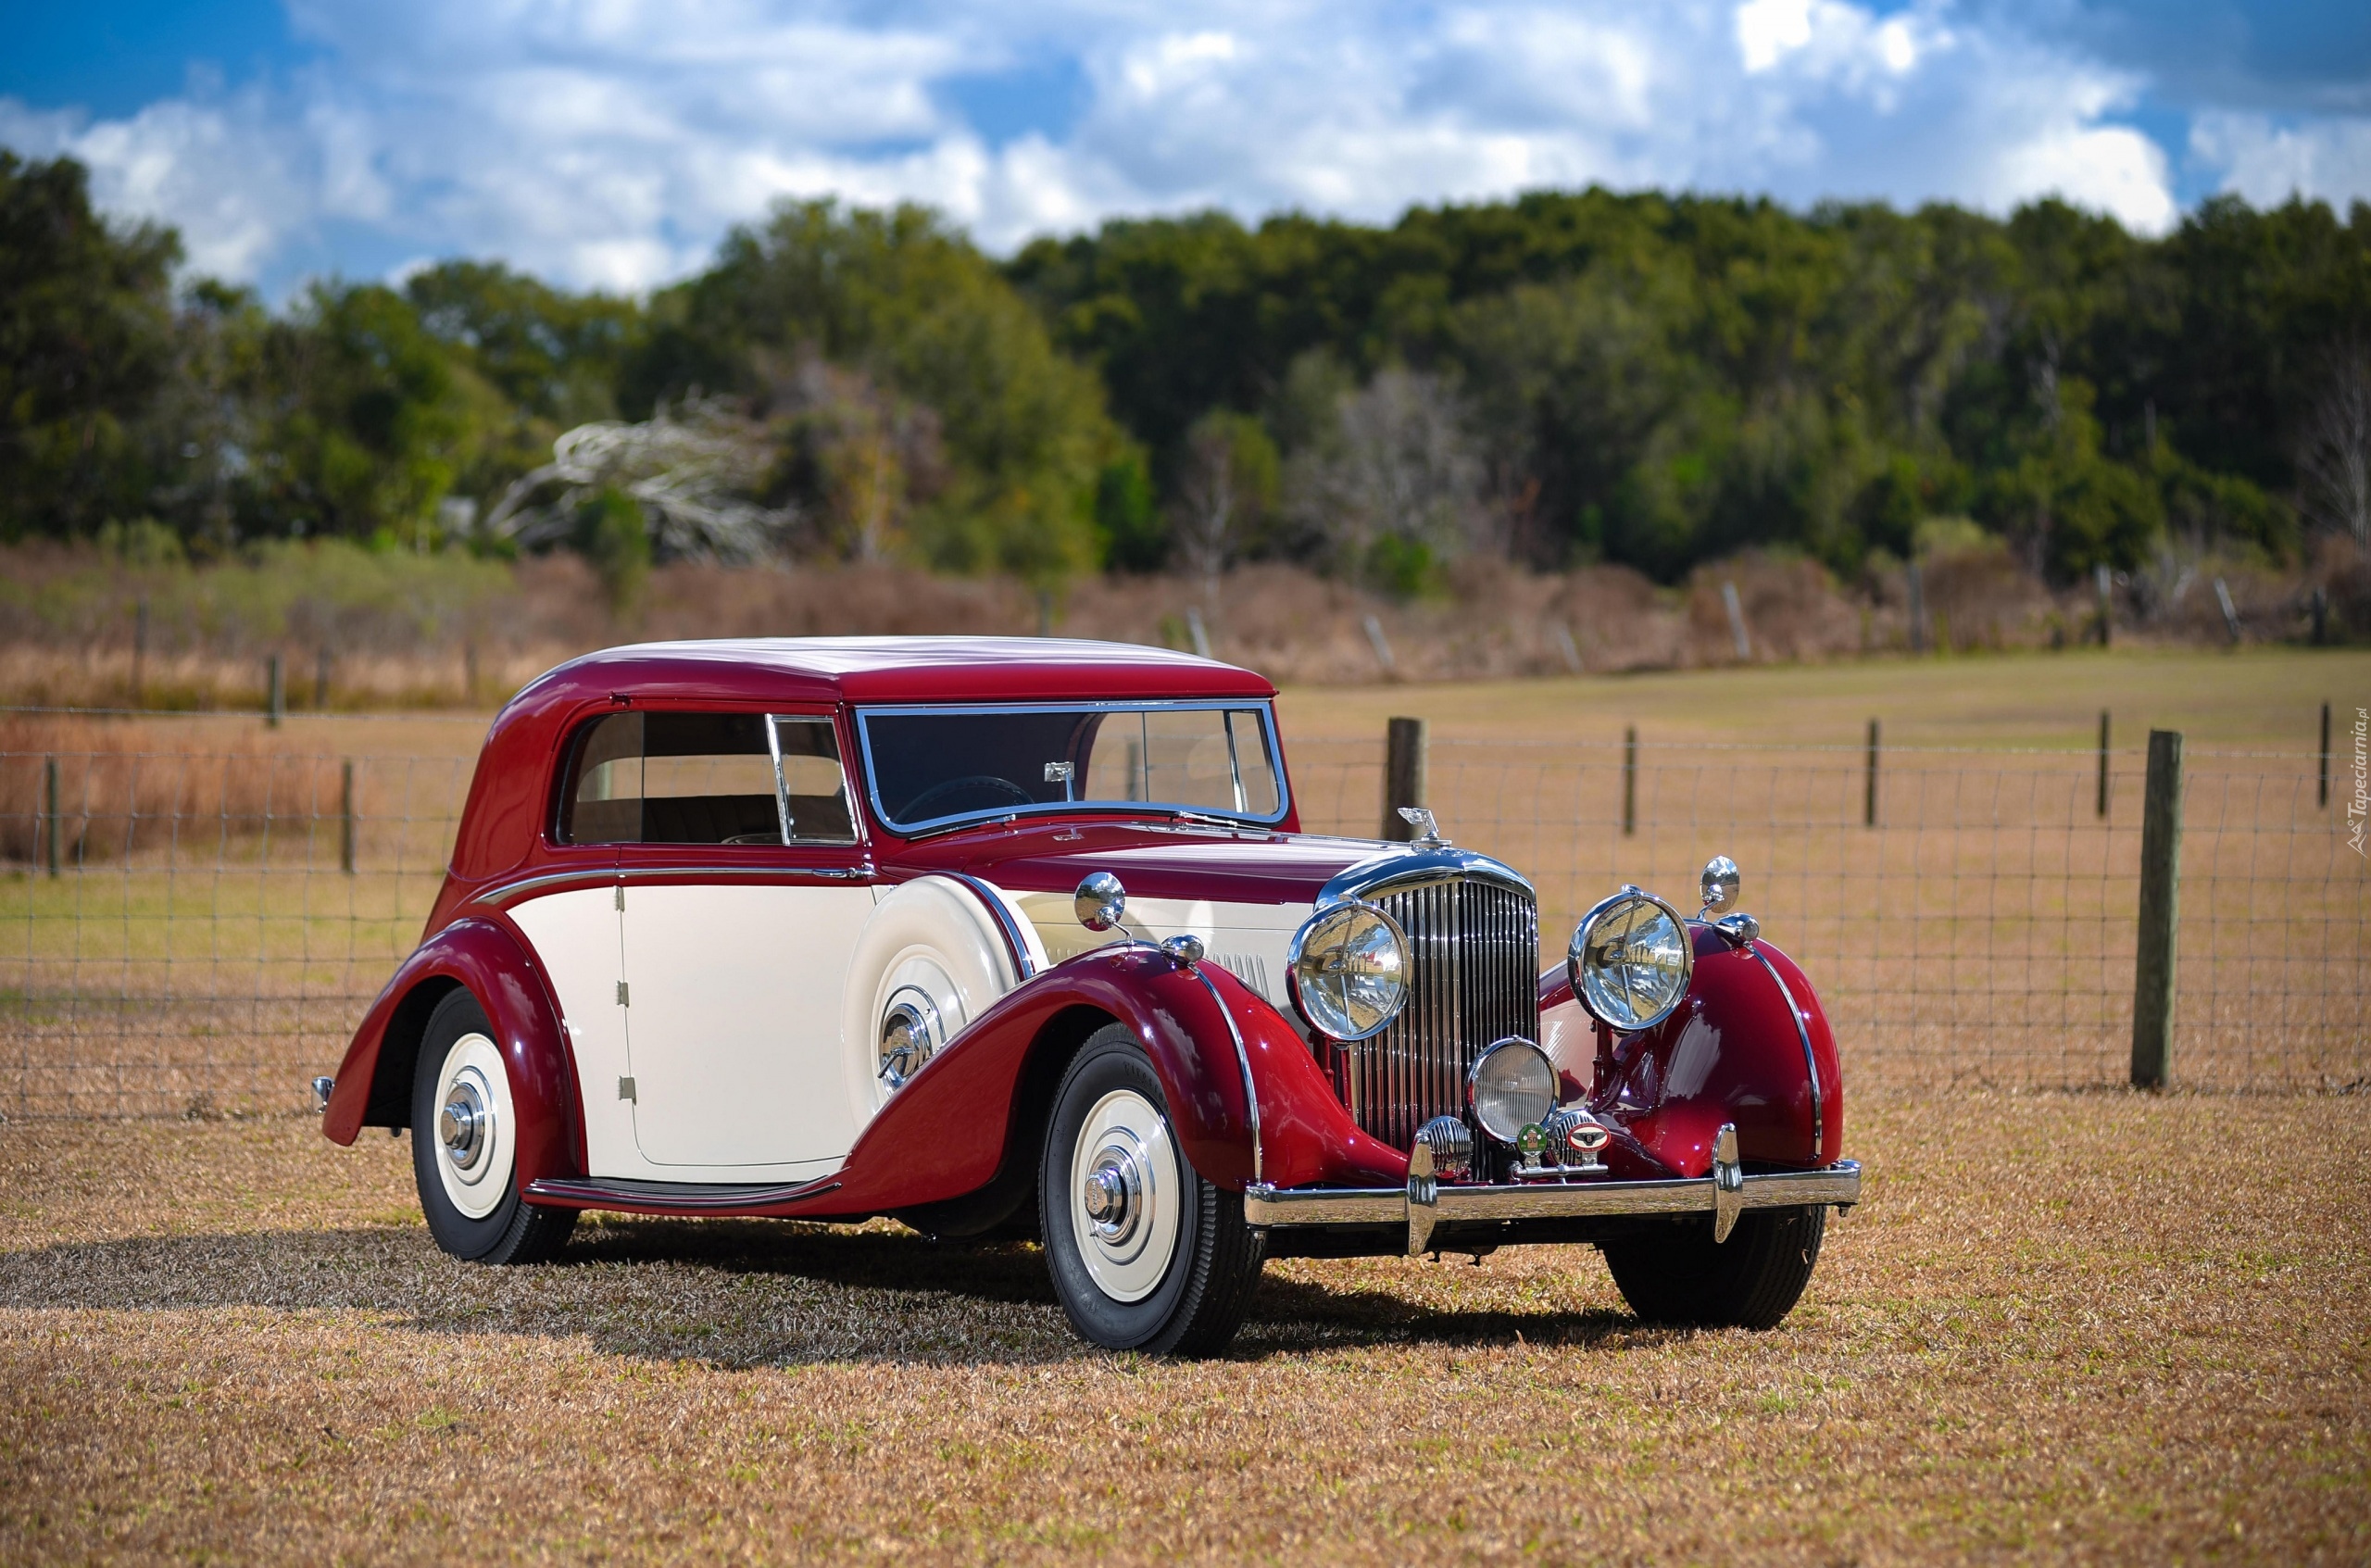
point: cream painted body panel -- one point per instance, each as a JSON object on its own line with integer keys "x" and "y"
{"x": 734, "y": 1027}
{"x": 576, "y": 937}
{"x": 1569, "y": 1036}
{"x": 932, "y": 941}
{"x": 1247, "y": 940}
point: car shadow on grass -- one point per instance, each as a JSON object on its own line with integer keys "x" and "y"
{"x": 728, "y": 1293}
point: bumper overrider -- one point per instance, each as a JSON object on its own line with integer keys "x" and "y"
{"x": 1456, "y": 1217}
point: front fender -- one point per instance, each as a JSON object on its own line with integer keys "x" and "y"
{"x": 373, "y": 1085}
{"x": 1751, "y": 1046}
{"x": 950, "y": 1130}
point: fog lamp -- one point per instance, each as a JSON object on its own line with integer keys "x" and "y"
{"x": 1511, "y": 1086}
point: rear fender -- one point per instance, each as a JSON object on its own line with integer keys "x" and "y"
{"x": 1750, "y": 1046}
{"x": 976, "y": 1111}
{"x": 374, "y": 1081}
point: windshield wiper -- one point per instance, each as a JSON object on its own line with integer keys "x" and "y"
{"x": 1236, "y": 823}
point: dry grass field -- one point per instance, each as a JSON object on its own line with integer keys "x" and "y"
{"x": 2066, "y": 1326}
{"x": 2101, "y": 1327}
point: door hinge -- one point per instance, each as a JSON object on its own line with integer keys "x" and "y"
{"x": 622, "y": 994}
{"x": 625, "y": 1089}
{"x": 621, "y": 895}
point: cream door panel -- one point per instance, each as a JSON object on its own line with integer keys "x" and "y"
{"x": 1247, "y": 940}
{"x": 575, "y": 938}
{"x": 734, "y": 1027}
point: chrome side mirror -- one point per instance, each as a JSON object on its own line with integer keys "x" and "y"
{"x": 1099, "y": 901}
{"x": 1721, "y": 881}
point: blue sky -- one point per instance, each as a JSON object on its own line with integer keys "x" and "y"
{"x": 610, "y": 142}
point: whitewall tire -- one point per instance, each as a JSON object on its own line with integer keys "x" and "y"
{"x": 1144, "y": 1254}
{"x": 465, "y": 1145}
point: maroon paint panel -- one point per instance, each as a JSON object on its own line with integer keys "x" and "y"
{"x": 944, "y": 1134}
{"x": 1153, "y": 859}
{"x": 1731, "y": 1052}
{"x": 494, "y": 964}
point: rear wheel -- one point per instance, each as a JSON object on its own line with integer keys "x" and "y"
{"x": 464, "y": 1142}
{"x": 1752, "y": 1280}
{"x": 1145, "y": 1255}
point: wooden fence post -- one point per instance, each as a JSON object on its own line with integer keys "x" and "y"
{"x": 345, "y": 819}
{"x": 2325, "y": 754}
{"x": 51, "y": 830}
{"x": 140, "y": 652}
{"x": 1629, "y": 781}
{"x": 2160, "y": 860}
{"x": 1403, "y": 776}
{"x": 275, "y": 702}
{"x": 1869, "y": 802}
{"x": 2103, "y": 764}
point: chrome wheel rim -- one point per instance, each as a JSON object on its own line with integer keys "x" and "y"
{"x": 473, "y": 1129}
{"x": 1126, "y": 1194}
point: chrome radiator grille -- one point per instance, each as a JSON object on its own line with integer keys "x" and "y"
{"x": 1473, "y": 951}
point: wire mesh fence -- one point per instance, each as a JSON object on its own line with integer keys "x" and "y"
{"x": 223, "y": 912}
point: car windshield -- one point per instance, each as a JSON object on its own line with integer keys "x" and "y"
{"x": 932, "y": 767}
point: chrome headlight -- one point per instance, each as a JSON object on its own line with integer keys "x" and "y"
{"x": 1348, "y": 972}
{"x": 1630, "y": 961}
{"x": 1513, "y": 1086}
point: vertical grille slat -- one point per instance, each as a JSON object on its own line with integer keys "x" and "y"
{"x": 1472, "y": 945}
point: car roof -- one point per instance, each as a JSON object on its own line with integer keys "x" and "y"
{"x": 905, "y": 670}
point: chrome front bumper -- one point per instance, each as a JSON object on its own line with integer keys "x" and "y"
{"x": 1426, "y": 1204}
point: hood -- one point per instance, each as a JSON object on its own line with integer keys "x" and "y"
{"x": 1181, "y": 861}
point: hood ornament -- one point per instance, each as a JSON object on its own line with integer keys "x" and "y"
{"x": 1428, "y": 833}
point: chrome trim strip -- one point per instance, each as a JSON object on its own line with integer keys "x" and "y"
{"x": 1399, "y": 869}
{"x": 1011, "y": 929}
{"x": 1839, "y": 1184}
{"x": 1243, "y": 1059}
{"x": 511, "y": 892}
{"x": 1802, "y": 1033}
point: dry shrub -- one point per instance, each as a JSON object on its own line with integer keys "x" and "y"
{"x": 1978, "y": 596}
{"x": 1792, "y": 609}
{"x": 122, "y": 792}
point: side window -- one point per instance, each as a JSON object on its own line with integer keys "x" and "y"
{"x": 602, "y": 801}
{"x": 705, "y": 778}
{"x": 815, "y": 788}
{"x": 673, "y": 778}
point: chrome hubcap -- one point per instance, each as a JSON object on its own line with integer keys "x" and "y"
{"x": 464, "y": 1127}
{"x": 1127, "y": 1185}
{"x": 1111, "y": 1191}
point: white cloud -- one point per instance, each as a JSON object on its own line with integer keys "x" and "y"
{"x": 612, "y": 141}
{"x": 2267, "y": 162}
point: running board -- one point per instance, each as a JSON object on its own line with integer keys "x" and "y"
{"x": 674, "y": 1198}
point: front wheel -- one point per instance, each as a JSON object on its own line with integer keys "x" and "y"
{"x": 464, "y": 1141}
{"x": 1752, "y": 1280}
{"x": 1145, "y": 1255}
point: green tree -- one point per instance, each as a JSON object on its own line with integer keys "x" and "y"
{"x": 86, "y": 341}
{"x": 903, "y": 297}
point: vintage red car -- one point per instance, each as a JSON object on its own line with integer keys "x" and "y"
{"x": 1011, "y": 938}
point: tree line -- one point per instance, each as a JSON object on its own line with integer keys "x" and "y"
{"x": 1561, "y": 379}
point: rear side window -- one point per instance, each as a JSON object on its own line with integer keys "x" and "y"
{"x": 705, "y": 778}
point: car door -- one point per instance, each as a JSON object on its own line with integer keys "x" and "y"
{"x": 743, "y": 896}
{"x": 571, "y": 923}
